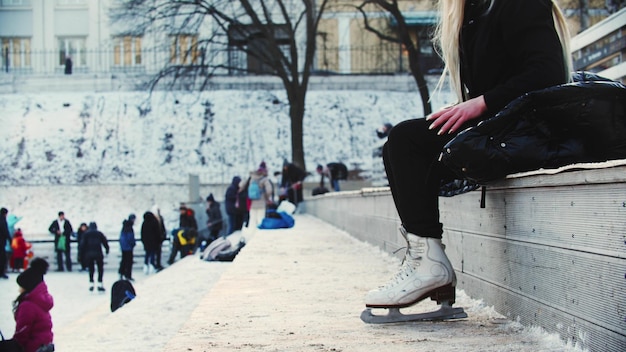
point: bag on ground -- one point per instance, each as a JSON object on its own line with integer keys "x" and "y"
{"x": 286, "y": 207}
{"x": 281, "y": 221}
{"x": 122, "y": 292}
{"x": 222, "y": 250}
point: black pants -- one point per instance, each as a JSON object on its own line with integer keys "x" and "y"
{"x": 3, "y": 260}
{"x": 414, "y": 174}
{"x": 68, "y": 260}
{"x": 126, "y": 265}
{"x": 159, "y": 251}
{"x": 91, "y": 263}
{"x": 295, "y": 196}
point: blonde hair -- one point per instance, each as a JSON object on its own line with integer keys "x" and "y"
{"x": 447, "y": 35}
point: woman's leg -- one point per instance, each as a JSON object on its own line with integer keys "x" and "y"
{"x": 152, "y": 258}
{"x": 414, "y": 173}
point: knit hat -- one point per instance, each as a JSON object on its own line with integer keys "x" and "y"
{"x": 31, "y": 277}
{"x": 210, "y": 198}
{"x": 132, "y": 217}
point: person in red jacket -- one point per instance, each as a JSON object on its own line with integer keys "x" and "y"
{"x": 31, "y": 309}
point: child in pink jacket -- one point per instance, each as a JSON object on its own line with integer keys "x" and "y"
{"x": 31, "y": 309}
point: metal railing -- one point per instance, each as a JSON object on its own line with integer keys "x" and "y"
{"x": 384, "y": 58}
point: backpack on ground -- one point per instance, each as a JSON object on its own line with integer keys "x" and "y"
{"x": 122, "y": 292}
{"x": 222, "y": 250}
{"x": 212, "y": 250}
{"x": 254, "y": 191}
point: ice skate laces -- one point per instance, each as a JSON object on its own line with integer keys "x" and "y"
{"x": 410, "y": 262}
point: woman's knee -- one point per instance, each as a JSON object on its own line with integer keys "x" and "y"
{"x": 408, "y": 130}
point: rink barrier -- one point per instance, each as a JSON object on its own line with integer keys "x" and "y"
{"x": 548, "y": 251}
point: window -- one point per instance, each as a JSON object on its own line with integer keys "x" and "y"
{"x": 73, "y": 48}
{"x": 127, "y": 51}
{"x": 184, "y": 49}
{"x": 71, "y": 2}
{"x": 15, "y": 53}
{"x": 248, "y": 47}
{"x": 15, "y": 3}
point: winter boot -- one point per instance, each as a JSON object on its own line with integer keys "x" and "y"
{"x": 425, "y": 272}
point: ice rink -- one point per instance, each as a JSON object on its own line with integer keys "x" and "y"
{"x": 298, "y": 289}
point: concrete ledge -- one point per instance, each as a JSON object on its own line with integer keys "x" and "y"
{"x": 548, "y": 250}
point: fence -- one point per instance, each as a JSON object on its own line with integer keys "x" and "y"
{"x": 383, "y": 58}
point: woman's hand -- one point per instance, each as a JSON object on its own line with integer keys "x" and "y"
{"x": 450, "y": 119}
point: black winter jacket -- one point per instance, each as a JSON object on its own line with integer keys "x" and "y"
{"x": 578, "y": 122}
{"x": 508, "y": 50}
{"x": 92, "y": 242}
{"x": 66, "y": 231}
{"x": 150, "y": 232}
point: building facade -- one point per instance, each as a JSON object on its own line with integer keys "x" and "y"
{"x": 56, "y": 37}
{"x": 602, "y": 48}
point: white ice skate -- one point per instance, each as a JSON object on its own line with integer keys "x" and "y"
{"x": 425, "y": 272}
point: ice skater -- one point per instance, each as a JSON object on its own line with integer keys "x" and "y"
{"x": 494, "y": 51}
{"x": 31, "y": 309}
{"x": 127, "y": 244}
{"x": 91, "y": 246}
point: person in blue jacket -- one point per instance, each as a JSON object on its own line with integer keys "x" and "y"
{"x": 127, "y": 244}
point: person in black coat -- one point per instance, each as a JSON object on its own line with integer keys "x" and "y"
{"x": 234, "y": 206}
{"x": 62, "y": 227}
{"x": 187, "y": 219}
{"x": 291, "y": 183}
{"x": 151, "y": 239}
{"x": 4, "y": 237}
{"x": 494, "y": 51}
{"x": 79, "y": 235}
{"x": 91, "y": 245}
{"x": 214, "y": 215}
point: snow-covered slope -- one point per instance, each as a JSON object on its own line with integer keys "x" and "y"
{"x": 131, "y": 137}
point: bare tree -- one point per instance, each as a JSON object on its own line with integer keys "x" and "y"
{"x": 274, "y": 37}
{"x": 400, "y": 35}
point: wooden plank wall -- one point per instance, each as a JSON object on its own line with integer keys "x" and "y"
{"x": 547, "y": 250}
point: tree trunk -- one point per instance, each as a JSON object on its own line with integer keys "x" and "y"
{"x": 422, "y": 87}
{"x": 296, "y": 113}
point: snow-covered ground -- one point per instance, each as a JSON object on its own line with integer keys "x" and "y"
{"x": 299, "y": 289}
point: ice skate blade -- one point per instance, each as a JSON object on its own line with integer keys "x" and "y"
{"x": 394, "y": 315}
